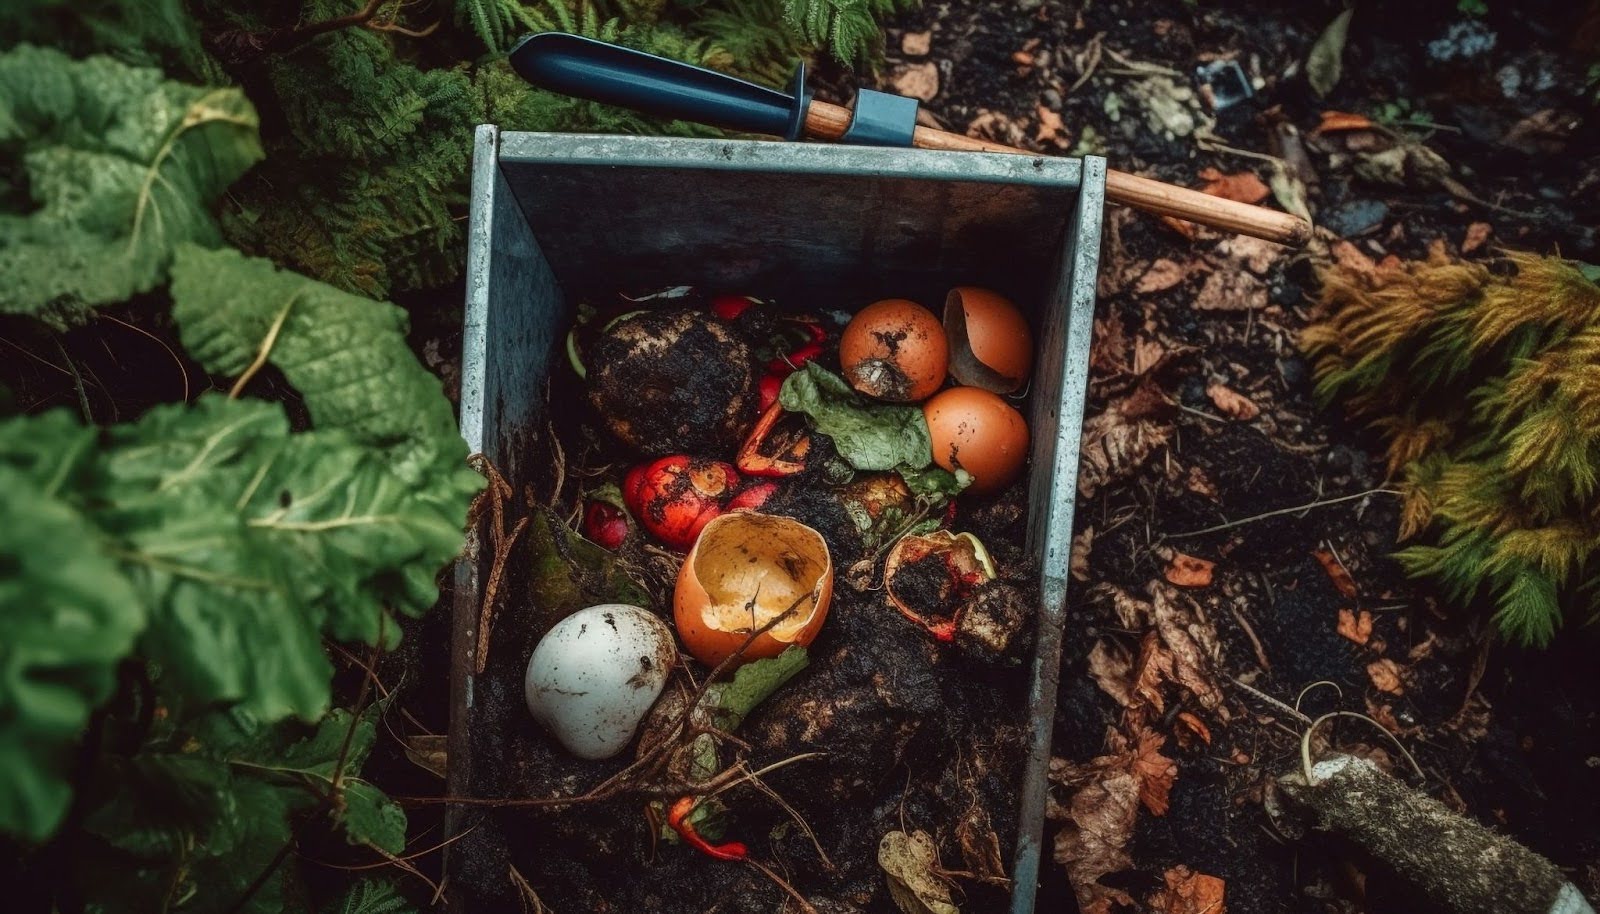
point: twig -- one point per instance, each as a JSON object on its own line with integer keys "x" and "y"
{"x": 498, "y": 493}
{"x": 1261, "y": 652}
{"x": 1095, "y": 52}
{"x": 1321, "y": 503}
{"x": 1298, "y": 699}
{"x": 411, "y": 856}
{"x": 531, "y": 902}
{"x": 77, "y": 384}
{"x": 1292, "y": 712}
{"x": 257, "y": 883}
{"x": 1201, "y": 413}
{"x": 782, "y": 883}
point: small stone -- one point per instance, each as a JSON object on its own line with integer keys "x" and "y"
{"x": 916, "y": 44}
{"x": 1294, "y": 370}
{"x": 1354, "y": 217}
{"x": 1052, "y": 99}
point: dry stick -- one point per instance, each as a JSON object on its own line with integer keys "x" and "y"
{"x": 1292, "y": 712}
{"x": 1261, "y": 652}
{"x": 1322, "y": 503}
{"x": 617, "y": 783}
{"x": 1305, "y": 743}
{"x": 782, "y": 883}
{"x": 408, "y": 857}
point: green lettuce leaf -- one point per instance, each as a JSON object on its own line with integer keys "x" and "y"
{"x": 869, "y": 436}
{"x": 120, "y": 165}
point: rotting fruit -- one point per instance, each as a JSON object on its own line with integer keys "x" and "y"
{"x": 675, "y": 497}
{"x": 667, "y": 381}
{"x": 930, "y": 578}
{"x": 744, "y": 571}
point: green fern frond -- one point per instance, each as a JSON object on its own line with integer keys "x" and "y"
{"x": 1527, "y": 608}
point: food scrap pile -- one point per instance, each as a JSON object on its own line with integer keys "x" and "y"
{"x": 829, "y": 509}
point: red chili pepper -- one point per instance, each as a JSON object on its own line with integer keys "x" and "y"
{"x": 729, "y": 307}
{"x": 791, "y": 450}
{"x": 678, "y": 819}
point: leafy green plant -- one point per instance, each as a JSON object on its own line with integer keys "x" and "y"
{"x": 1482, "y": 377}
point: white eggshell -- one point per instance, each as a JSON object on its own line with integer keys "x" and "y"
{"x": 593, "y": 677}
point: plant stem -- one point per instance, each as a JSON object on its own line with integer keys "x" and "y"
{"x": 1322, "y": 503}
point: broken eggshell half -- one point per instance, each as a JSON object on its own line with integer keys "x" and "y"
{"x": 744, "y": 570}
{"x": 991, "y": 345}
{"x": 594, "y": 676}
{"x": 930, "y": 578}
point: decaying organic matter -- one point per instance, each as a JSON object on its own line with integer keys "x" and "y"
{"x": 677, "y": 381}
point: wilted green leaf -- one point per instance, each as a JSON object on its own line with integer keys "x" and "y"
{"x": 370, "y": 817}
{"x": 733, "y": 700}
{"x": 1326, "y": 60}
{"x": 870, "y": 436}
{"x": 121, "y": 166}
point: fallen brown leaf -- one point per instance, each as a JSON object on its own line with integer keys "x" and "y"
{"x": 1191, "y": 728}
{"x": 1353, "y": 260}
{"x": 980, "y": 846}
{"x": 1111, "y": 669}
{"x": 916, "y": 882}
{"x": 1194, "y": 647}
{"x": 1335, "y": 121}
{"x": 1051, "y": 128}
{"x": 1082, "y": 545}
{"x": 1097, "y": 826}
{"x": 428, "y": 752}
{"x": 1155, "y": 772}
{"x": 1231, "y": 290}
{"x": 1199, "y": 483}
{"x": 1189, "y": 892}
{"x": 1244, "y": 186}
{"x": 1356, "y": 627}
{"x": 1162, "y": 275}
{"x": 1232, "y": 403}
{"x": 1117, "y": 441}
{"x": 916, "y": 44}
{"x": 1147, "y": 354}
{"x": 996, "y": 127}
{"x": 1337, "y": 573}
{"x": 1257, "y": 255}
{"x": 917, "y": 80}
{"x": 1477, "y": 236}
{"x": 1386, "y": 676}
{"x": 1182, "y": 227}
{"x": 1383, "y": 713}
{"x": 1155, "y": 666}
{"x": 1108, "y": 351}
{"x": 1188, "y": 571}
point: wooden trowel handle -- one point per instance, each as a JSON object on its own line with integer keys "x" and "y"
{"x": 825, "y": 121}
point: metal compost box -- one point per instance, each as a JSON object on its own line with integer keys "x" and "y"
{"x": 555, "y": 217}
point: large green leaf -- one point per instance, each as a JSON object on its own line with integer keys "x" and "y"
{"x": 68, "y": 616}
{"x": 121, "y": 166}
{"x": 346, "y": 355}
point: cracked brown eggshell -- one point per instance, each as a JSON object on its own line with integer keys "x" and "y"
{"x": 991, "y": 345}
{"x": 745, "y": 569}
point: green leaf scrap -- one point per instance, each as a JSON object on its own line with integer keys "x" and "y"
{"x": 869, "y": 436}
{"x": 1326, "y": 61}
{"x": 121, "y": 166}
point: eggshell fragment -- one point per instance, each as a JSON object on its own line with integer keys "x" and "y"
{"x": 894, "y": 350}
{"x": 745, "y": 569}
{"x": 593, "y": 677}
{"x": 991, "y": 345}
{"x": 977, "y": 431}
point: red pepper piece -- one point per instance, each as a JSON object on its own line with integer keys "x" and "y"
{"x": 729, "y": 307}
{"x": 770, "y": 386}
{"x": 753, "y": 496}
{"x": 791, "y": 451}
{"x": 678, "y": 819}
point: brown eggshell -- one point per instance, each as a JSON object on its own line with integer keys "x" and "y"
{"x": 894, "y": 350}
{"x": 744, "y": 557}
{"x": 991, "y": 345}
{"x": 977, "y": 431}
